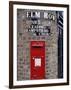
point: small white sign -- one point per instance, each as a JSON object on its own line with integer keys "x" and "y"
{"x": 37, "y": 62}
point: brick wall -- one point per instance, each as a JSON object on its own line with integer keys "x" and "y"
{"x": 23, "y": 46}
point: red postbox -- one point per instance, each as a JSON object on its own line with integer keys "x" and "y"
{"x": 37, "y": 63}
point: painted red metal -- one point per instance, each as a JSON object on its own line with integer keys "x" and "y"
{"x": 37, "y": 63}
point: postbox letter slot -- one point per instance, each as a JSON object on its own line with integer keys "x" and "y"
{"x": 37, "y": 46}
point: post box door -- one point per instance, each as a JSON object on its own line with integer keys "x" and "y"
{"x": 37, "y": 60}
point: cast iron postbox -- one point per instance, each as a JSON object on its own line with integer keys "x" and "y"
{"x": 37, "y": 52}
